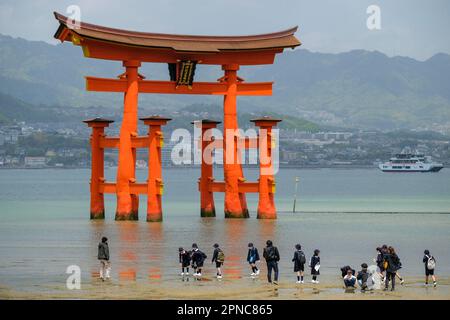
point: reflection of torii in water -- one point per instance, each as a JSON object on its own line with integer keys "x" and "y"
{"x": 181, "y": 53}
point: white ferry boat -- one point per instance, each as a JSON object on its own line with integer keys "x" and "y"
{"x": 408, "y": 162}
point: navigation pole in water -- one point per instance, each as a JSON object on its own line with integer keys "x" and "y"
{"x": 182, "y": 53}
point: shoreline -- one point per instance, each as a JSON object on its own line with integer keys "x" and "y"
{"x": 198, "y": 167}
{"x": 212, "y": 289}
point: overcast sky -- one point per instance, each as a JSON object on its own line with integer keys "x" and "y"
{"x": 414, "y": 28}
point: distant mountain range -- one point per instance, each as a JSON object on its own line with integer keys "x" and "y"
{"x": 353, "y": 89}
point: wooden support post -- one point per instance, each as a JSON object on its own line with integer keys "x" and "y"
{"x": 266, "y": 203}
{"x": 235, "y": 202}
{"x": 155, "y": 183}
{"x": 207, "y": 207}
{"x": 126, "y": 202}
{"x": 97, "y": 206}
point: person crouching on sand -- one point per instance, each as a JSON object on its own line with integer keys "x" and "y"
{"x": 299, "y": 260}
{"x": 252, "y": 258}
{"x": 185, "y": 260}
{"x": 350, "y": 280}
{"x": 363, "y": 277}
{"x": 198, "y": 258}
{"x": 314, "y": 263}
{"x": 430, "y": 264}
{"x": 103, "y": 256}
{"x": 218, "y": 258}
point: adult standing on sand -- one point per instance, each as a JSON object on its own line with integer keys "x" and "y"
{"x": 103, "y": 257}
{"x": 272, "y": 257}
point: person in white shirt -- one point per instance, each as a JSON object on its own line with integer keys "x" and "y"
{"x": 350, "y": 280}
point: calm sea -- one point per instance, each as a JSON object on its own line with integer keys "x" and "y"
{"x": 45, "y": 226}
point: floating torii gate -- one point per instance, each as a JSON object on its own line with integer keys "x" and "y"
{"x": 181, "y": 53}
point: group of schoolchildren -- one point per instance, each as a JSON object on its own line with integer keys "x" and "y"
{"x": 388, "y": 266}
{"x": 196, "y": 258}
{"x": 387, "y": 261}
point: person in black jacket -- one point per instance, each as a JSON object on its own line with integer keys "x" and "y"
{"x": 198, "y": 258}
{"x": 391, "y": 264}
{"x": 218, "y": 259}
{"x": 314, "y": 263}
{"x": 430, "y": 264}
{"x": 185, "y": 260}
{"x": 299, "y": 260}
{"x": 363, "y": 277}
{"x": 379, "y": 261}
{"x": 252, "y": 258}
{"x": 272, "y": 257}
{"x": 103, "y": 257}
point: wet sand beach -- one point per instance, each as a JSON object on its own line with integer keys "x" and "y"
{"x": 242, "y": 289}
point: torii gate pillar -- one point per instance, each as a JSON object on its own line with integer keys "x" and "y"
{"x": 207, "y": 207}
{"x": 155, "y": 184}
{"x": 127, "y": 203}
{"x": 266, "y": 203}
{"x": 235, "y": 202}
{"x": 97, "y": 205}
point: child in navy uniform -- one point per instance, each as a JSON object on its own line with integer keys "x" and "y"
{"x": 314, "y": 263}
{"x": 218, "y": 258}
{"x": 299, "y": 260}
{"x": 350, "y": 280}
{"x": 252, "y": 258}
{"x": 430, "y": 264}
{"x": 185, "y": 259}
{"x": 363, "y": 277}
{"x": 198, "y": 258}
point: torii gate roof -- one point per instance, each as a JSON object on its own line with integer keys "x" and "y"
{"x": 173, "y": 46}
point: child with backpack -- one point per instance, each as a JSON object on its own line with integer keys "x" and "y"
{"x": 299, "y": 262}
{"x": 218, "y": 258}
{"x": 198, "y": 258}
{"x": 185, "y": 260}
{"x": 430, "y": 265}
{"x": 391, "y": 264}
{"x": 252, "y": 258}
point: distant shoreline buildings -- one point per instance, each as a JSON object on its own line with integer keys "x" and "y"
{"x": 24, "y": 145}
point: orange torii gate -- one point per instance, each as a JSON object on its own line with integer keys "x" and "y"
{"x": 182, "y": 53}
